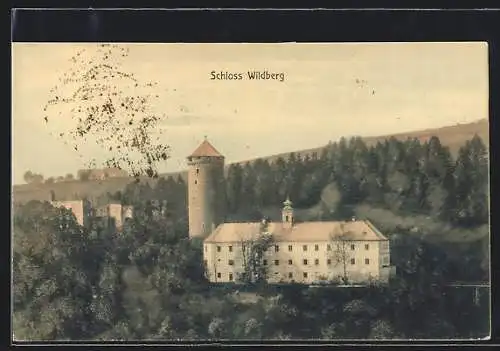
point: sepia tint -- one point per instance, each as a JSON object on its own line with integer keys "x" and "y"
{"x": 194, "y": 192}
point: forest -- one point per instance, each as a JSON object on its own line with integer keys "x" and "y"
{"x": 147, "y": 282}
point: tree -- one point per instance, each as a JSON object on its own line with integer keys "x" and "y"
{"x": 330, "y": 332}
{"x": 50, "y": 280}
{"x": 398, "y": 184}
{"x": 438, "y": 159}
{"x": 356, "y": 316}
{"x": 50, "y": 180}
{"x": 252, "y": 250}
{"x": 467, "y": 202}
{"x": 84, "y": 174}
{"x": 263, "y": 183}
{"x": 112, "y": 107}
{"x": 382, "y": 329}
{"x": 341, "y": 254}
{"x": 249, "y": 180}
{"x": 279, "y": 169}
{"x": 69, "y": 177}
{"x": 28, "y": 177}
{"x": 277, "y": 317}
{"x": 216, "y": 328}
{"x": 234, "y": 185}
{"x": 36, "y": 178}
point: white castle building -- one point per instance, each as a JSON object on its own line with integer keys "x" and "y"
{"x": 304, "y": 252}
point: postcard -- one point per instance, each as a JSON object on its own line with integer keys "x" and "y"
{"x": 262, "y": 192}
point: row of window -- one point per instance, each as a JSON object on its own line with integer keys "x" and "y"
{"x": 304, "y": 262}
{"x": 231, "y": 277}
{"x": 304, "y": 248}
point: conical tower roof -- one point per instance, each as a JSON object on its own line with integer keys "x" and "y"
{"x": 205, "y": 150}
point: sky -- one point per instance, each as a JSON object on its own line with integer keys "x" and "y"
{"x": 328, "y": 91}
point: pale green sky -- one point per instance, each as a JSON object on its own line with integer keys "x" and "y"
{"x": 416, "y": 85}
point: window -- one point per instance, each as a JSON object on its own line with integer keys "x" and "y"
{"x": 367, "y": 247}
{"x": 231, "y": 276}
{"x": 353, "y": 261}
{"x": 353, "y": 247}
{"x": 289, "y": 247}
{"x": 316, "y": 247}
{"x": 328, "y": 247}
{"x": 367, "y": 261}
{"x": 276, "y": 248}
{"x": 289, "y": 261}
{"x": 286, "y": 218}
{"x": 305, "y": 262}
{"x": 276, "y": 262}
{"x": 218, "y": 248}
{"x": 197, "y": 171}
{"x": 290, "y": 275}
{"x": 218, "y": 275}
{"x": 316, "y": 262}
{"x": 304, "y": 247}
{"x": 205, "y": 262}
{"x": 329, "y": 262}
{"x": 195, "y": 182}
{"x": 264, "y": 262}
{"x": 230, "y": 248}
{"x": 305, "y": 274}
{"x": 230, "y": 262}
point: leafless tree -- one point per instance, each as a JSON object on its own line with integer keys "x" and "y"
{"x": 341, "y": 254}
{"x": 254, "y": 271}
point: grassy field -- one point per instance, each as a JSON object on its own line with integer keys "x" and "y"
{"x": 451, "y": 136}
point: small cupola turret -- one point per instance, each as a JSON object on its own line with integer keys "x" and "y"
{"x": 287, "y": 213}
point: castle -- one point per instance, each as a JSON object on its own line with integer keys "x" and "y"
{"x": 305, "y": 252}
{"x": 205, "y": 190}
{"x": 113, "y": 214}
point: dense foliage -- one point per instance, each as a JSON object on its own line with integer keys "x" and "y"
{"x": 148, "y": 281}
{"x": 403, "y": 176}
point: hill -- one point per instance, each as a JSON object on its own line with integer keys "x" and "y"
{"x": 451, "y": 136}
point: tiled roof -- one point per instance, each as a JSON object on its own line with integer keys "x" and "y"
{"x": 300, "y": 232}
{"x": 206, "y": 149}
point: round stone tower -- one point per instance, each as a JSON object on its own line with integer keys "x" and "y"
{"x": 205, "y": 190}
